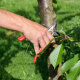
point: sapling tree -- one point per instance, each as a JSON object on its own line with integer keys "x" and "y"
{"x": 70, "y": 61}
{"x": 61, "y": 55}
{"x": 48, "y": 19}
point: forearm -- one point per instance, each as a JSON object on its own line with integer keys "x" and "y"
{"x": 11, "y": 21}
{"x": 33, "y": 31}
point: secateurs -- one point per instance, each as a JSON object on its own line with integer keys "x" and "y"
{"x": 51, "y": 30}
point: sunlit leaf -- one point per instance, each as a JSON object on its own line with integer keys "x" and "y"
{"x": 63, "y": 32}
{"x": 79, "y": 44}
{"x": 71, "y": 39}
{"x": 78, "y": 78}
{"x": 74, "y": 71}
{"x": 70, "y": 63}
{"x": 56, "y": 54}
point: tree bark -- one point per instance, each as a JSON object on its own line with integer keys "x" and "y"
{"x": 48, "y": 19}
{"x": 47, "y": 14}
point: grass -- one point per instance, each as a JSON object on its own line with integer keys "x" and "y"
{"x": 16, "y": 58}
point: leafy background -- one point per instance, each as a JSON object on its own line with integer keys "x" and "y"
{"x": 16, "y": 58}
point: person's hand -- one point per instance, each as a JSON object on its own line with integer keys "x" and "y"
{"x": 37, "y": 34}
{"x": 33, "y": 31}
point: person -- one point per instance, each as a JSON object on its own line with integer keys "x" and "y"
{"x": 33, "y": 31}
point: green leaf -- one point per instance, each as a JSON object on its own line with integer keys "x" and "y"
{"x": 79, "y": 44}
{"x": 71, "y": 39}
{"x": 78, "y": 78}
{"x": 56, "y": 54}
{"x": 61, "y": 31}
{"x": 69, "y": 64}
{"x": 74, "y": 71}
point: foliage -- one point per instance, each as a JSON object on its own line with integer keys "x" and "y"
{"x": 55, "y": 56}
{"x": 69, "y": 63}
{"x": 74, "y": 71}
{"x": 72, "y": 66}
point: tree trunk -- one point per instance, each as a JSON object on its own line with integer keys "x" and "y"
{"x": 47, "y": 14}
{"x": 48, "y": 19}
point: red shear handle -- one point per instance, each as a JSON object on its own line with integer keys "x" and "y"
{"x": 35, "y": 57}
{"x": 21, "y": 38}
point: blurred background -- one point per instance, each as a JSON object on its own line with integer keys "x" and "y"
{"x": 16, "y": 58}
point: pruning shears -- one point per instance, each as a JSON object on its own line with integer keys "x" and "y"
{"x": 54, "y": 27}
